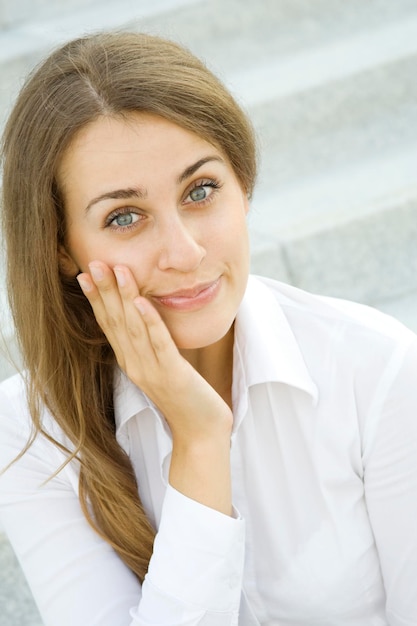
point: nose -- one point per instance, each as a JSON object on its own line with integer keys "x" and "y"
{"x": 178, "y": 247}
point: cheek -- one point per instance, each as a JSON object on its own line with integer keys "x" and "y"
{"x": 228, "y": 226}
{"x": 238, "y": 235}
{"x": 84, "y": 249}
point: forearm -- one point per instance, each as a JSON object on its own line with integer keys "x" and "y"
{"x": 195, "y": 573}
{"x": 200, "y": 470}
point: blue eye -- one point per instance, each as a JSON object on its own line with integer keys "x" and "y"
{"x": 203, "y": 191}
{"x": 125, "y": 219}
{"x": 198, "y": 194}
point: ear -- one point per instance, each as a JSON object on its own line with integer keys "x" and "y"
{"x": 67, "y": 265}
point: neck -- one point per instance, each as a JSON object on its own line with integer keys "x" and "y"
{"x": 215, "y": 364}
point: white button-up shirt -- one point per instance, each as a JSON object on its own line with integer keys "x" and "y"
{"x": 324, "y": 470}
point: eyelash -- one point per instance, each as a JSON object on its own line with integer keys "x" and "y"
{"x": 206, "y": 182}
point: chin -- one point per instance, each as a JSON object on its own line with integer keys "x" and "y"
{"x": 200, "y": 338}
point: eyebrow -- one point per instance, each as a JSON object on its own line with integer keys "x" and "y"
{"x": 118, "y": 194}
{"x": 189, "y": 171}
{"x": 141, "y": 194}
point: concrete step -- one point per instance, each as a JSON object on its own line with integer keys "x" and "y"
{"x": 80, "y": 13}
{"x": 231, "y": 36}
{"x": 323, "y": 101}
{"x": 237, "y": 35}
{"x": 339, "y": 164}
{"x": 331, "y": 89}
{"x": 338, "y": 123}
{"x": 369, "y": 256}
{"x": 403, "y": 308}
{"x": 313, "y": 110}
{"x": 13, "y": 12}
{"x": 26, "y": 41}
{"x": 289, "y": 22}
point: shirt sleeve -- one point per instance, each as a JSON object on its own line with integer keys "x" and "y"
{"x": 195, "y": 573}
{"x": 390, "y": 460}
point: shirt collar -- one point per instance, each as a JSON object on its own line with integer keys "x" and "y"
{"x": 128, "y": 399}
{"x": 265, "y": 350}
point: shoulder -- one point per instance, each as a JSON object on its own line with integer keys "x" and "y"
{"x": 338, "y": 337}
{"x": 14, "y": 386}
{"x": 16, "y": 426}
{"x": 15, "y": 421}
{"x": 325, "y": 314}
{"x": 13, "y": 401}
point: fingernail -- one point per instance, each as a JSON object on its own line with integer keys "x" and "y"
{"x": 120, "y": 277}
{"x": 84, "y": 284}
{"x": 96, "y": 272}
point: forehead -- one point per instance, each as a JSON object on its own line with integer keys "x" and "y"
{"x": 139, "y": 134}
{"x": 133, "y": 152}
{"x": 129, "y": 132}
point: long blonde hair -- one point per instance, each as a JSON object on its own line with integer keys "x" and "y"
{"x": 67, "y": 357}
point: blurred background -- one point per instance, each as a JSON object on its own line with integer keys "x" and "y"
{"x": 331, "y": 88}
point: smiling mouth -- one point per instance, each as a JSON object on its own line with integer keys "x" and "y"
{"x": 189, "y": 299}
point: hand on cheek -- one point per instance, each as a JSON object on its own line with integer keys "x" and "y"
{"x": 199, "y": 419}
{"x": 146, "y": 352}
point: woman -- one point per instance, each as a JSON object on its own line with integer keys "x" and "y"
{"x": 267, "y": 437}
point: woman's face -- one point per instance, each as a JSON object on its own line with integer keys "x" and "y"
{"x": 145, "y": 193}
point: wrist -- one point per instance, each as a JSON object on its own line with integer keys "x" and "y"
{"x": 200, "y": 470}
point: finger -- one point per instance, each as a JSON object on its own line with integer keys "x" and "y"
{"x": 101, "y": 291}
{"x": 159, "y": 335}
{"x": 114, "y": 293}
{"x": 93, "y": 295}
{"x": 109, "y": 314}
{"x": 136, "y": 328}
{"x": 118, "y": 289}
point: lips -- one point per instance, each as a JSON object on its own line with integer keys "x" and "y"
{"x": 191, "y": 298}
